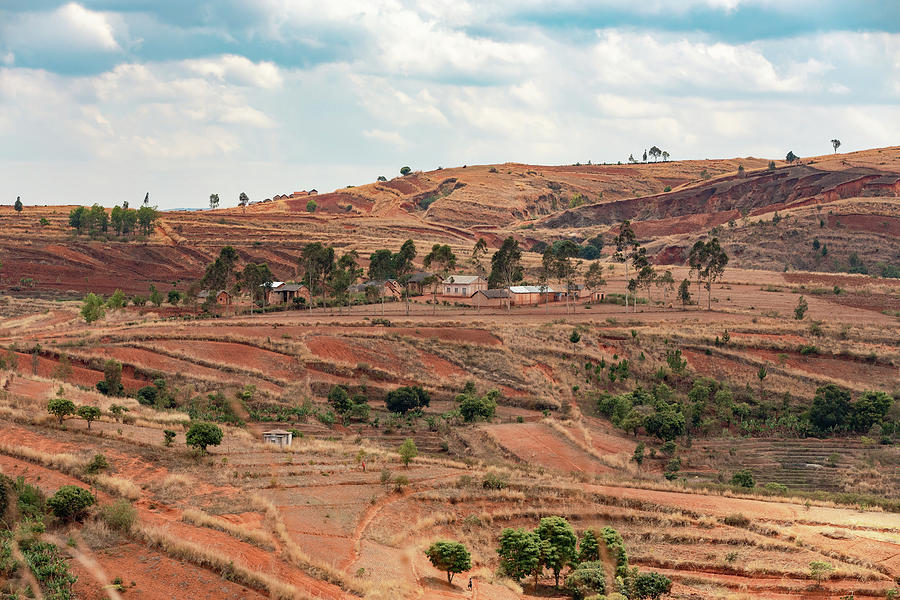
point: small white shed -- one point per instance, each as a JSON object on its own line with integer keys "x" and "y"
{"x": 279, "y": 437}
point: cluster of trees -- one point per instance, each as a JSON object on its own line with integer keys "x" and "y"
{"x": 94, "y": 306}
{"x": 95, "y": 221}
{"x": 707, "y": 261}
{"x": 61, "y": 408}
{"x": 222, "y": 274}
{"x": 710, "y": 404}
{"x": 554, "y": 545}
{"x": 654, "y": 152}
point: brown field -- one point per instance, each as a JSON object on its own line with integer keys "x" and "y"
{"x": 251, "y": 521}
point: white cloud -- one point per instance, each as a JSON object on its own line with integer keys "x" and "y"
{"x": 70, "y": 27}
{"x": 238, "y": 70}
{"x": 391, "y": 137}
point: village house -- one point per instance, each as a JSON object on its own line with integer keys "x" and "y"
{"x": 281, "y": 292}
{"x": 221, "y": 297}
{"x": 416, "y": 283}
{"x": 463, "y": 286}
{"x": 492, "y": 298}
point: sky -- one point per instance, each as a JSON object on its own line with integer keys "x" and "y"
{"x": 106, "y": 100}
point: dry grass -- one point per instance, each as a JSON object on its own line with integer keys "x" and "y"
{"x": 65, "y": 462}
{"x": 223, "y": 564}
{"x": 173, "y": 487}
{"x": 118, "y": 486}
{"x": 241, "y": 532}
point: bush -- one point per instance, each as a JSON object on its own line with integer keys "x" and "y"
{"x": 168, "y": 437}
{"x": 88, "y": 413}
{"x": 743, "y": 478}
{"x": 201, "y": 435}
{"x": 651, "y": 585}
{"x": 147, "y": 395}
{"x": 119, "y": 515}
{"x": 407, "y": 398}
{"x": 736, "y": 520}
{"x": 405, "y": 171}
{"x": 776, "y": 488}
{"x": 450, "y": 557}
{"x": 408, "y": 451}
{"x": 70, "y": 502}
{"x": 586, "y": 581}
{"x": 494, "y": 481}
{"x": 97, "y": 464}
{"x": 311, "y": 206}
{"x": 475, "y": 408}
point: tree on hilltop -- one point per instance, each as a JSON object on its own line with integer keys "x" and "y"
{"x": 213, "y": 201}
{"x": 836, "y": 143}
{"x": 18, "y": 204}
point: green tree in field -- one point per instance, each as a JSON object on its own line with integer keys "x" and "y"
{"x": 506, "y": 267}
{"x": 473, "y": 407}
{"x": 18, "y": 204}
{"x": 743, "y": 478}
{"x": 117, "y": 300}
{"x": 70, "y": 502}
{"x": 311, "y": 205}
{"x": 60, "y": 408}
{"x": 111, "y": 385}
{"x": 626, "y": 245}
{"x": 586, "y": 581}
{"x": 92, "y": 308}
{"x": 521, "y": 552}
{"x": 560, "y": 544}
{"x": 174, "y": 297}
{"x": 869, "y": 409}
{"x": 443, "y": 260}
{"x": 800, "y": 310}
{"x": 88, "y": 413}
{"x": 684, "y": 292}
{"x": 257, "y": 279}
{"x": 589, "y": 548}
{"x": 155, "y": 296}
{"x": 820, "y": 571}
{"x": 791, "y": 157}
{"x": 830, "y": 408}
{"x": 407, "y": 398}
{"x": 650, "y": 585}
{"x": 243, "y": 200}
{"x": 339, "y": 399}
{"x": 450, "y": 557}
{"x": 213, "y": 201}
{"x": 201, "y": 435}
{"x": 408, "y": 451}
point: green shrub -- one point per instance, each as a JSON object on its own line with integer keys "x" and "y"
{"x": 97, "y": 464}
{"x": 70, "y": 502}
{"x": 736, "y": 520}
{"x": 201, "y": 435}
{"x": 585, "y": 581}
{"x": 168, "y": 437}
{"x": 743, "y": 478}
{"x": 494, "y": 481}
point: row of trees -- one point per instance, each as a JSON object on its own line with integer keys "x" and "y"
{"x": 654, "y": 152}
{"x": 243, "y": 200}
{"x": 94, "y": 220}
{"x": 554, "y": 545}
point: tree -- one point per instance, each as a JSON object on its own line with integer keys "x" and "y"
{"x": 626, "y": 246}
{"x": 801, "y": 308}
{"x": 820, "y": 571}
{"x": 791, "y": 157}
{"x": 587, "y": 581}
{"x": 243, "y": 200}
{"x": 257, "y": 279}
{"x": 869, "y": 409}
{"x": 168, "y": 437}
{"x": 743, "y": 478}
{"x": 381, "y": 178}
{"x": 645, "y": 156}
{"x": 593, "y": 278}
{"x": 589, "y": 548}
{"x": 408, "y": 451}
{"x": 18, "y": 204}
{"x": 655, "y": 153}
{"x": 666, "y": 283}
{"x": 92, "y": 309}
{"x": 156, "y": 297}
{"x": 70, "y": 502}
{"x": 473, "y": 407}
{"x": 111, "y": 384}
{"x": 684, "y": 292}
{"x": 836, "y": 143}
{"x": 443, "y": 260}
{"x": 557, "y": 261}
{"x": 406, "y": 398}
{"x": 716, "y": 259}
{"x": 451, "y": 557}
{"x": 146, "y": 217}
{"x": 117, "y": 300}
{"x": 520, "y": 553}
{"x": 381, "y": 265}
{"x": 339, "y": 399}
{"x": 646, "y": 275}
{"x": 201, "y": 435}
{"x": 60, "y": 408}
{"x": 506, "y": 268}
{"x": 343, "y": 276}
{"x": 560, "y": 544}
{"x": 651, "y": 585}
{"x": 213, "y": 201}
{"x": 147, "y": 199}
{"x": 88, "y": 413}
{"x": 405, "y": 171}
{"x": 174, "y": 297}
{"x": 317, "y": 261}
{"x": 665, "y": 156}
{"x": 311, "y": 205}
{"x": 830, "y": 408}
{"x": 761, "y": 374}
{"x": 478, "y": 253}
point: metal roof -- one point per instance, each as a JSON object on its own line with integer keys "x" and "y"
{"x": 463, "y": 279}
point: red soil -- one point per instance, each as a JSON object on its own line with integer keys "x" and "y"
{"x": 239, "y": 355}
{"x": 882, "y": 224}
{"x": 80, "y": 375}
{"x": 336, "y": 349}
{"x": 846, "y": 370}
{"x": 439, "y": 367}
{"x": 536, "y": 443}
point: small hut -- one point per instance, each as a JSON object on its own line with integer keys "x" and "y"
{"x": 280, "y": 437}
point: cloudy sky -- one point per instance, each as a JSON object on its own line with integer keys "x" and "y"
{"x": 104, "y": 100}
